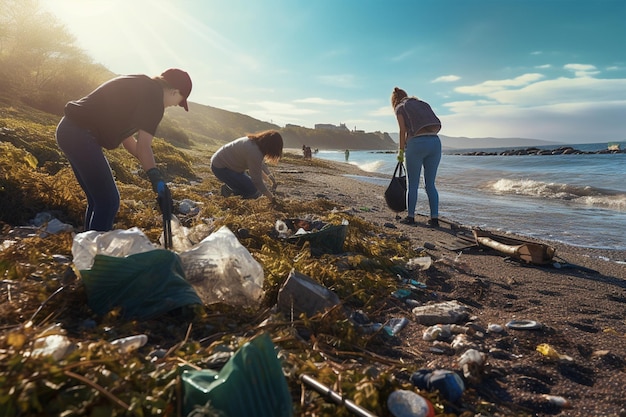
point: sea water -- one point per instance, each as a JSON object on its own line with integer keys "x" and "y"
{"x": 575, "y": 199}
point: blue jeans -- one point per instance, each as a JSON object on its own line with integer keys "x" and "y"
{"x": 93, "y": 173}
{"x": 239, "y": 182}
{"x": 422, "y": 151}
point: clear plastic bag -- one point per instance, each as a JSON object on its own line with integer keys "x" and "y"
{"x": 221, "y": 269}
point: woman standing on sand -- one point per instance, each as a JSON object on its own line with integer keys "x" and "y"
{"x": 125, "y": 110}
{"x": 248, "y": 153}
{"x": 418, "y": 139}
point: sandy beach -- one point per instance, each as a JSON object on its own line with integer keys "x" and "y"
{"x": 581, "y": 303}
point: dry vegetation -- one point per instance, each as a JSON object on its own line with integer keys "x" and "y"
{"x": 40, "y": 289}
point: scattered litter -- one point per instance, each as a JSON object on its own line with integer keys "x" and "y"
{"x": 323, "y": 238}
{"x": 524, "y": 325}
{"x": 558, "y": 401}
{"x": 448, "y": 383}
{"x": 405, "y": 403}
{"x": 420, "y": 263}
{"x": 251, "y": 383}
{"x": 189, "y": 207}
{"x": 437, "y": 332}
{"x": 52, "y": 342}
{"x": 335, "y": 396}
{"x": 495, "y": 328}
{"x": 300, "y": 294}
{"x": 401, "y": 293}
{"x": 118, "y": 243}
{"x": 441, "y": 313}
{"x": 395, "y": 325}
{"x": 471, "y": 363}
{"x": 6, "y": 244}
{"x": 221, "y": 269}
{"x": 130, "y": 343}
{"x": 185, "y": 238}
{"x": 48, "y": 223}
{"x": 550, "y": 352}
{"x": 461, "y": 342}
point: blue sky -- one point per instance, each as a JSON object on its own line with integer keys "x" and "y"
{"x": 542, "y": 69}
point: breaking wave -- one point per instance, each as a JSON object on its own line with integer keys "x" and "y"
{"x": 585, "y": 195}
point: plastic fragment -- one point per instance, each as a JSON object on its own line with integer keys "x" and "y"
{"x": 130, "y": 343}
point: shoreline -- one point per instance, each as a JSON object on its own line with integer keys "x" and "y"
{"x": 345, "y": 183}
{"x": 545, "y": 230}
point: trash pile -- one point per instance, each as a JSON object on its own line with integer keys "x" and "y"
{"x": 318, "y": 307}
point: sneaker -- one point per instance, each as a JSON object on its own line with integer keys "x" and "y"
{"x": 433, "y": 222}
{"x": 408, "y": 220}
{"x": 226, "y": 191}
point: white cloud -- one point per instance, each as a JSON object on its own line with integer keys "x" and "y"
{"x": 446, "y": 79}
{"x": 322, "y": 101}
{"x": 492, "y": 86}
{"x": 564, "y": 90}
{"x": 582, "y": 70}
{"x": 385, "y": 111}
{"x": 282, "y": 108}
{"x": 545, "y": 66}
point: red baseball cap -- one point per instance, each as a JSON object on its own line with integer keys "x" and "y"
{"x": 181, "y": 81}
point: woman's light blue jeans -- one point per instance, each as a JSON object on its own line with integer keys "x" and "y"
{"x": 422, "y": 151}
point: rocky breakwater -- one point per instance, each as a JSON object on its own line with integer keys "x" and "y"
{"x": 564, "y": 150}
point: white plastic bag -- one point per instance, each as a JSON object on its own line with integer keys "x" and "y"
{"x": 117, "y": 243}
{"x": 221, "y": 269}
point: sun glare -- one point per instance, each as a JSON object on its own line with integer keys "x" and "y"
{"x": 125, "y": 36}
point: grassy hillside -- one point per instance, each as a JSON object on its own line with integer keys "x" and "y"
{"x": 35, "y": 175}
{"x": 211, "y": 126}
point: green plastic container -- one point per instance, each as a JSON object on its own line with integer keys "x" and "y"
{"x": 251, "y": 384}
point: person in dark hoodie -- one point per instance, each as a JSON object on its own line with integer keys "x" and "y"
{"x": 125, "y": 110}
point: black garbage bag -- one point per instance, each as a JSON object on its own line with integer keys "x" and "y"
{"x": 144, "y": 285}
{"x": 395, "y": 194}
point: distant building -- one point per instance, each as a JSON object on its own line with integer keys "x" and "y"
{"x": 328, "y": 126}
{"x": 291, "y": 125}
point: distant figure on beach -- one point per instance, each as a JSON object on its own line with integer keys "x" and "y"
{"x": 241, "y": 164}
{"x": 307, "y": 152}
{"x": 420, "y": 144}
{"x": 125, "y": 110}
{"x": 347, "y": 154}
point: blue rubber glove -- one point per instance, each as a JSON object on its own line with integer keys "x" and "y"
{"x": 160, "y": 187}
{"x": 155, "y": 177}
{"x": 401, "y": 155}
{"x": 164, "y": 198}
